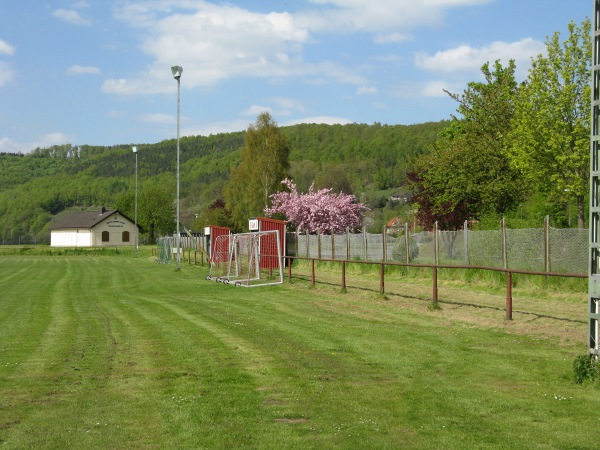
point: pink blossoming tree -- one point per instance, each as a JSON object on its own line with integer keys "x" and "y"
{"x": 317, "y": 212}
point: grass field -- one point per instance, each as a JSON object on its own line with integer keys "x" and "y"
{"x": 120, "y": 352}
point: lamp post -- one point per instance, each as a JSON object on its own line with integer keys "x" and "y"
{"x": 134, "y": 148}
{"x": 176, "y": 71}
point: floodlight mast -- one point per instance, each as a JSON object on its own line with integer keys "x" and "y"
{"x": 134, "y": 148}
{"x": 177, "y": 71}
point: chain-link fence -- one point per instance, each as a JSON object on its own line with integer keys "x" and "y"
{"x": 535, "y": 249}
{"x": 349, "y": 246}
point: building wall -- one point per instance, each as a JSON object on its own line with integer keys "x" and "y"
{"x": 114, "y": 226}
{"x": 71, "y": 238}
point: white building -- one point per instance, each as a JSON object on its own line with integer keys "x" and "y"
{"x": 105, "y": 228}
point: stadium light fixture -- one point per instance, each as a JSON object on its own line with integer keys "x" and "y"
{"x": 176, "y": 71}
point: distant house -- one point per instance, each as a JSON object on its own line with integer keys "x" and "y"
{"x": 402, "y": 197}
{"x": 93, "y": 229}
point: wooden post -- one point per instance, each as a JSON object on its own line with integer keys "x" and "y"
{"x": 312, "y": 273}
{"x": 435, "y": 267}
{"x": 504, "y": 252}
{"x": 365, "y": 243}
{"x": 508, "y": 296}
{"x": 466, "y": 241}
{"x": 435, "y": 286}
{"x": 382, "y": 279}
{"x": 547, "y": 267}
{"x": 344, "y": 276}
{"x": 436, "y": 247}
{"x": 289, "y": 260}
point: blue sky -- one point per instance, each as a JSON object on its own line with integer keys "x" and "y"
{"x": 98, "y": 72}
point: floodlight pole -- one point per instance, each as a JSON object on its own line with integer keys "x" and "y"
{"x": 134, "y": 148}
{"x": 177, "y": 70}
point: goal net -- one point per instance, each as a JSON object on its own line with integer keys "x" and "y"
{"x": 247, "y": 259}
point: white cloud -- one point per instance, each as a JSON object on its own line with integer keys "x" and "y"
{"x": 467, "y": 58}
{"x": 83, "y": 70}
{"x": 72, "y": 17}
{"x": 164, "y": 119}
{"x": 366, "y": 90}
{"x": 380, "y": 16}
{"x": 56, "y": 138}
{"x": 436, "y": 88}
{"x": 216, "y": 128}
{"x": 329, "y": 120}
{"x": 255, "y": 110}
{"x": 6, "y": 73}
{"x": 392, "y": 38}
{"x": 220, "y": 41}
{"x": 6, "y": 48}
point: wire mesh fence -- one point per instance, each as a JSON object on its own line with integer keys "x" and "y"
{"x": 534, "y": 249}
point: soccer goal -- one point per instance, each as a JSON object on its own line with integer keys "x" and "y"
{"x": 247, "y": 259}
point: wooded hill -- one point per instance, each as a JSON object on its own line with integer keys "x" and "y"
{"x": 365, "y": 160}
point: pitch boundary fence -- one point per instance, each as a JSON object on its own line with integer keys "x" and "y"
{"x": 434, "y": 267}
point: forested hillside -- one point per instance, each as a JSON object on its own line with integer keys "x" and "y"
{"x": 357, "y": 158}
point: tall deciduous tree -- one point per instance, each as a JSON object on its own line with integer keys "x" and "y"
{"x": 321, "y": 211}
{"x": 265, "y": 161}
{"x": 551, "y": 125}
{"x": 468, "y": 174}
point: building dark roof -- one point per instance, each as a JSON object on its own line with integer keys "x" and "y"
{"x": 88, "y": 219}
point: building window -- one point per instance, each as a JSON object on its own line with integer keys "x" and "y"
{"x": 125, "y": 236}
{"x": 105, "y": 236}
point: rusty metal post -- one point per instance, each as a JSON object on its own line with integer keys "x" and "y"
{"x": 344, "y": 276}
{"x": 508, "y": 295}
{"x": 435, "y": 285}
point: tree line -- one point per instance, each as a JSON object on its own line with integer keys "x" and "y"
{"x": 514, "y": 145}
{"x": 38, "y": 187}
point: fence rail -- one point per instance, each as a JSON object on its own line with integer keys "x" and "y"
{"x": 434, "y": 267}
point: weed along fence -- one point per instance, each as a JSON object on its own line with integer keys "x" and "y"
{"x": 544, "y": 249}
{"x": 434, "y": 268}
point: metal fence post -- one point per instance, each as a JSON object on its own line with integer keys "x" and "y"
{"x": 504, "y": 251}
{"x": 466, "y": 241}
{"x": 347, "y": 243}
{"x": 436, "y": 246}
{"x": 364, "y": 232}
{"x": 319, "y": 244}
{"x": 307, "y": 245}
{"x": 384, "y": 241}
{"x": 332, "y": 245}
{"x": 508, "y": 295}
{"x": 547, "y": 244}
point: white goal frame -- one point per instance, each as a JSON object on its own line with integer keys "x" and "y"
{"x": 248, "y": 259}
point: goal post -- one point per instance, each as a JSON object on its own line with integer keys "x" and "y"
{"x": 248, "y": 259}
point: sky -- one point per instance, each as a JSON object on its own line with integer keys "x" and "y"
{"x": 98, "y": 72}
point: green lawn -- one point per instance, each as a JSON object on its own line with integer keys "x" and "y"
{"x": 120, "y": 352}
